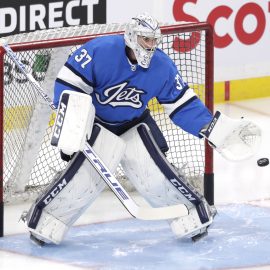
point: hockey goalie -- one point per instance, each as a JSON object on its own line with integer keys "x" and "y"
{"x": 102, "y": 93}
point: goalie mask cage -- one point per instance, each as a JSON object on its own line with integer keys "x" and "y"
{"x": 29, "y": 163}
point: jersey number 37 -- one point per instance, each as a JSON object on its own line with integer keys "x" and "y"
{"x": 83, "y": 57}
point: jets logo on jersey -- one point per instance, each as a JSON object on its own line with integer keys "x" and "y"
{"x": 118, "y": 95}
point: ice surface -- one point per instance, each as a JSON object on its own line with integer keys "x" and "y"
{"x": 239, "y": 238}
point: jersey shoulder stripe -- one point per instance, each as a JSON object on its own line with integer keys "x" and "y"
{"x": 70, "y": 67}
{"x": 179, "y": 108}
{"x": 181, "y": 94}
{"x": 70, "y": 86}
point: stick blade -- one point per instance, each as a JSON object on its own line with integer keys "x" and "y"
{"x": 162, "y": 213}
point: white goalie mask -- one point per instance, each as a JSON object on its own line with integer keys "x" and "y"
{"x": 143, "y": 35}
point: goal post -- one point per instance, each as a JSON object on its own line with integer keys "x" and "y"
{"x": 28, "y": 163}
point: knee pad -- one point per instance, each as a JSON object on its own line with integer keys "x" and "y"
{"x": 74, "y": 189}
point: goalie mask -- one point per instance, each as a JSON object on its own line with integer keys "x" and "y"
{"x": 143, "y": 35}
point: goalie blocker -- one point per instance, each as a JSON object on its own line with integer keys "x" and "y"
{"x": 79, "y": 184}
{"x": 74, "y": 122}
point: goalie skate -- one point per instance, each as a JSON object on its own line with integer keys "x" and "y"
{"x": 191, "y": 226}
{"x": 37, "y": 240}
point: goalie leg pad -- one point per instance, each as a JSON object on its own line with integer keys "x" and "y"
{"x": 158, "y": 182}
{"x": 79, "y": 184}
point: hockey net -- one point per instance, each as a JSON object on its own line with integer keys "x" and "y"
{"x": 28, "y": 161}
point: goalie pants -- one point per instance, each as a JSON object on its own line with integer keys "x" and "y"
{"x": 145, "y": 118}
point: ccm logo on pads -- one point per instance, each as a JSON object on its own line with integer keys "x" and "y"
{"x": 55, "y": 191}
{"x": 183, "y": 190}
{"x": 59, "y": 120}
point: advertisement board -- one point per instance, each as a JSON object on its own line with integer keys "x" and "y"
{"x": 26, "y": 16}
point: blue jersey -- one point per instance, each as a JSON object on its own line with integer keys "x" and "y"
{"x": 121, "y": 91}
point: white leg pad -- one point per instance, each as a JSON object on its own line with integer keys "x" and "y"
{"x": 155, "y": 187}
{"x": 50, "y": 229}
{"x": 63, "y": 206}
{"x": 145, "y": 175}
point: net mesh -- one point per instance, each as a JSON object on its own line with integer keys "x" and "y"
{"x": 30, "y": 162}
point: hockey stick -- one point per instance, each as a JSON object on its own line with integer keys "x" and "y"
{"x": 145, "y": 213}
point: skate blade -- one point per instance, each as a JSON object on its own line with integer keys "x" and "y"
{"x": 199, "y": 236}
{"x": 36, "y": 241}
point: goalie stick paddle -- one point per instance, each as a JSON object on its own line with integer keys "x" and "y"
{"x": 144, "y": 213}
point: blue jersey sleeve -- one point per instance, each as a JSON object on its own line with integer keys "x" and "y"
{"x": 181, "y": 103}
{"x": 78, "y": 72}
{"x": 192, "y": 117}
